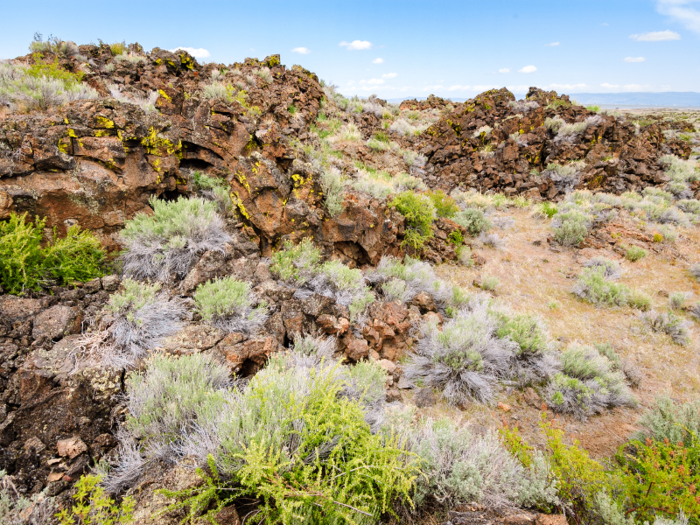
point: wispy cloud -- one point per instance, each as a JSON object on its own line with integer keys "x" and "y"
{"x": 680, "y": 11}
{"x": 552, "y": 44}
{"x": 373, "y": 81}
{"x": 633, "y": 60}
{"x": 378, "y": 61}
{"x": 389, "y": 75}
{"x": 431, "y": 88}
{"x": 656, "y": 36}
{"x": 527, "y": 69}
{"x": 196, "y": 52}
{"x": 301, "y": 50}
{"x": 459, "y": 88}
{"x": 504, "y": 70}
{"x": 609, "y": 86}
{"x": 356, "y": 45}
{"x": 567, "y": 86}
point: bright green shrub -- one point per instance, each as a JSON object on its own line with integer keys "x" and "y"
{"x": 419, "y": 212}
{"x": 26, "y": 266}
{"x": 661, "y": 479}
{"x": 549, "y": 209}
{"x": 93, "y": 506}
{"x": 133, "y": 296}
{"x": 444, "y": 206}
{"x": 307, "y": 456}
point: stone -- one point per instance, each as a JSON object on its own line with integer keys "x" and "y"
{"x": 192, "y": 339}
{"x": 424, "y": 302}
{"x": 211, "y": 265}
{"x": 247, "y": 357}
{"x": 532, "y": 398}
{"x": 503, "y": 407}
{"x": 424, "y": 397}
{"x": 393, "y": 394}
{"x": 111, "y": 282}
{"x": 56, "y": 322}
{"x": 71, "y": 447}
{"x": 551, "y": 519}
{"x": 404, "y": 383}
{"x": 13, "y": 308}
{"x": 355, "y": 348}
{"x": 35, "y": 444}
{"x": 93, "y": 286}
{"x": 388, "y": 366}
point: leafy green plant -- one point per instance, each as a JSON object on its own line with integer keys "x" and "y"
{"x": 594, "y": 288}
{"x": 330, "y": 467}
{"x": 419, "y": 213}
{"x": 93, "y": 506}
{"x": 444, "y": 206}
{"x": 524, "y": 329}
{"x": 634, "y": 253}
{"x": 456, "y": 238}
{"x": 26, "y": 266}
{"x": 572, "y": 228}
{"x": 549, "y": 209}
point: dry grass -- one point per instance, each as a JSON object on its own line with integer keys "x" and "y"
{"x": 539, "y": 279}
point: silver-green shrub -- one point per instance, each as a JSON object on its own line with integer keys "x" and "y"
{"x": 227, "y": 304}
{"x": 172, "y": 239}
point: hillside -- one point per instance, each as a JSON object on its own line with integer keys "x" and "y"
{"x": 229, "y": 292}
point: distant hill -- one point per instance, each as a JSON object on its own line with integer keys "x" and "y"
{"x": 667, "y": 99}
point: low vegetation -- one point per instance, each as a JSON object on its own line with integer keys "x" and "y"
{"x": 27, "y": 266}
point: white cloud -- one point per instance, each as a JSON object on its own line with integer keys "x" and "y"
{"x": 431, "y": 88}
{"x": 301, "y": 50}
{"x": 378, "y": 61}
{"x": 553, "y": 44}
{"x": 519, "y": 89}
{"x": 680, "y": 11}
{"x": 373, "y": 81}
{"x": 356, "y": 45}
{"x": 504, "y": 70}
{"x": 459, "y": 88}
{"x": 634, "y": 87}
{"x": 389, "y": 75}
{"x": 483, "y": 88}
{"x": 633, "y": 60}
{"x": 656, "y": 36}
{"x": 527, "y": 69}
{"x": 195, "y": 52}
{"x": 609, "y": 86}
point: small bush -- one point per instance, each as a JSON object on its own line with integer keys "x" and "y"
{"x": 639, "y": 300}
{"x": 695, "y": 271}
{"x": 670, "y": 324}
{"x": 489, "y": 282}
{"x": 333, "y": 188}
{"x": 594, "y": 288}
{"x": 351, "y": 290}
{"x": 417, "y": 277}
{"x": 524, "y": 329}
{"x": 589, "y": 382}
{"x": 667, "y": 420}
{"x": 571, "y": 228}
{"x": 677, "y": 300}
{"x": 142, "y": 318}
{"x": 461, "y": 466}
{"x": 611, "y": 269}
{"x": 226, "y": 303}
{"x": 634, "y": 253}
{"x": 214, "y": 189}
{"x": 419, "y": 213}
{"x": 444, "y": 206}
{"x": 492, "y": 240}
{"x": 465, "y": 360}
{"x": 473, "y": 220}
{"x": 172, "y": 239}
{"x": 17, "y": 509}
{"x": 92, "y": 505}
{"x": 26, "y": 266}
{"x": 295, "y": 262}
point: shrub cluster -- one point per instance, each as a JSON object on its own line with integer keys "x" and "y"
{"x": 669, "y": 323}
{"x": 302, "y": 418}
{"x": 214, "y": 189}
{"x": 27, "y": 266}
{"x": 172, "y": 239}
{"x": 301, "y": 263}
{"x": 596, "y": 287}
{"x": 419, "y": 213}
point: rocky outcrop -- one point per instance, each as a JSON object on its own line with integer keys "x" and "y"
{"x": 493, "y": 143}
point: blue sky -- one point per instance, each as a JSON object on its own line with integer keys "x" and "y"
{"x": 405, "y": 48}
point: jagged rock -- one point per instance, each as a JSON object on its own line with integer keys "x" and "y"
{"x": 193, "y": 339}
{"x": 56, "y": 322}
{"x": 71, "y": 447}
{"x": 247, "y": 356}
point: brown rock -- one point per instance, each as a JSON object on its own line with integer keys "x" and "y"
{"x": 193, "y": 339}
{"x": 424, "y": 397}
{"x": 56, "y": 322}
{"x": 13, "y": 308}
{"x": 210, "y": 265}
{"x": 355, "y": 348}
{"x": 228, "y": 516}
{"x": 110, "y": 282}
{"x": 249, "y": 356}
{"x": 503, "y": 407}
{"x": 551, "y": 519}
{"x": 35, "y": 444}
{"x": 532, "y": 398}
{"x": 71, "y": 447}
